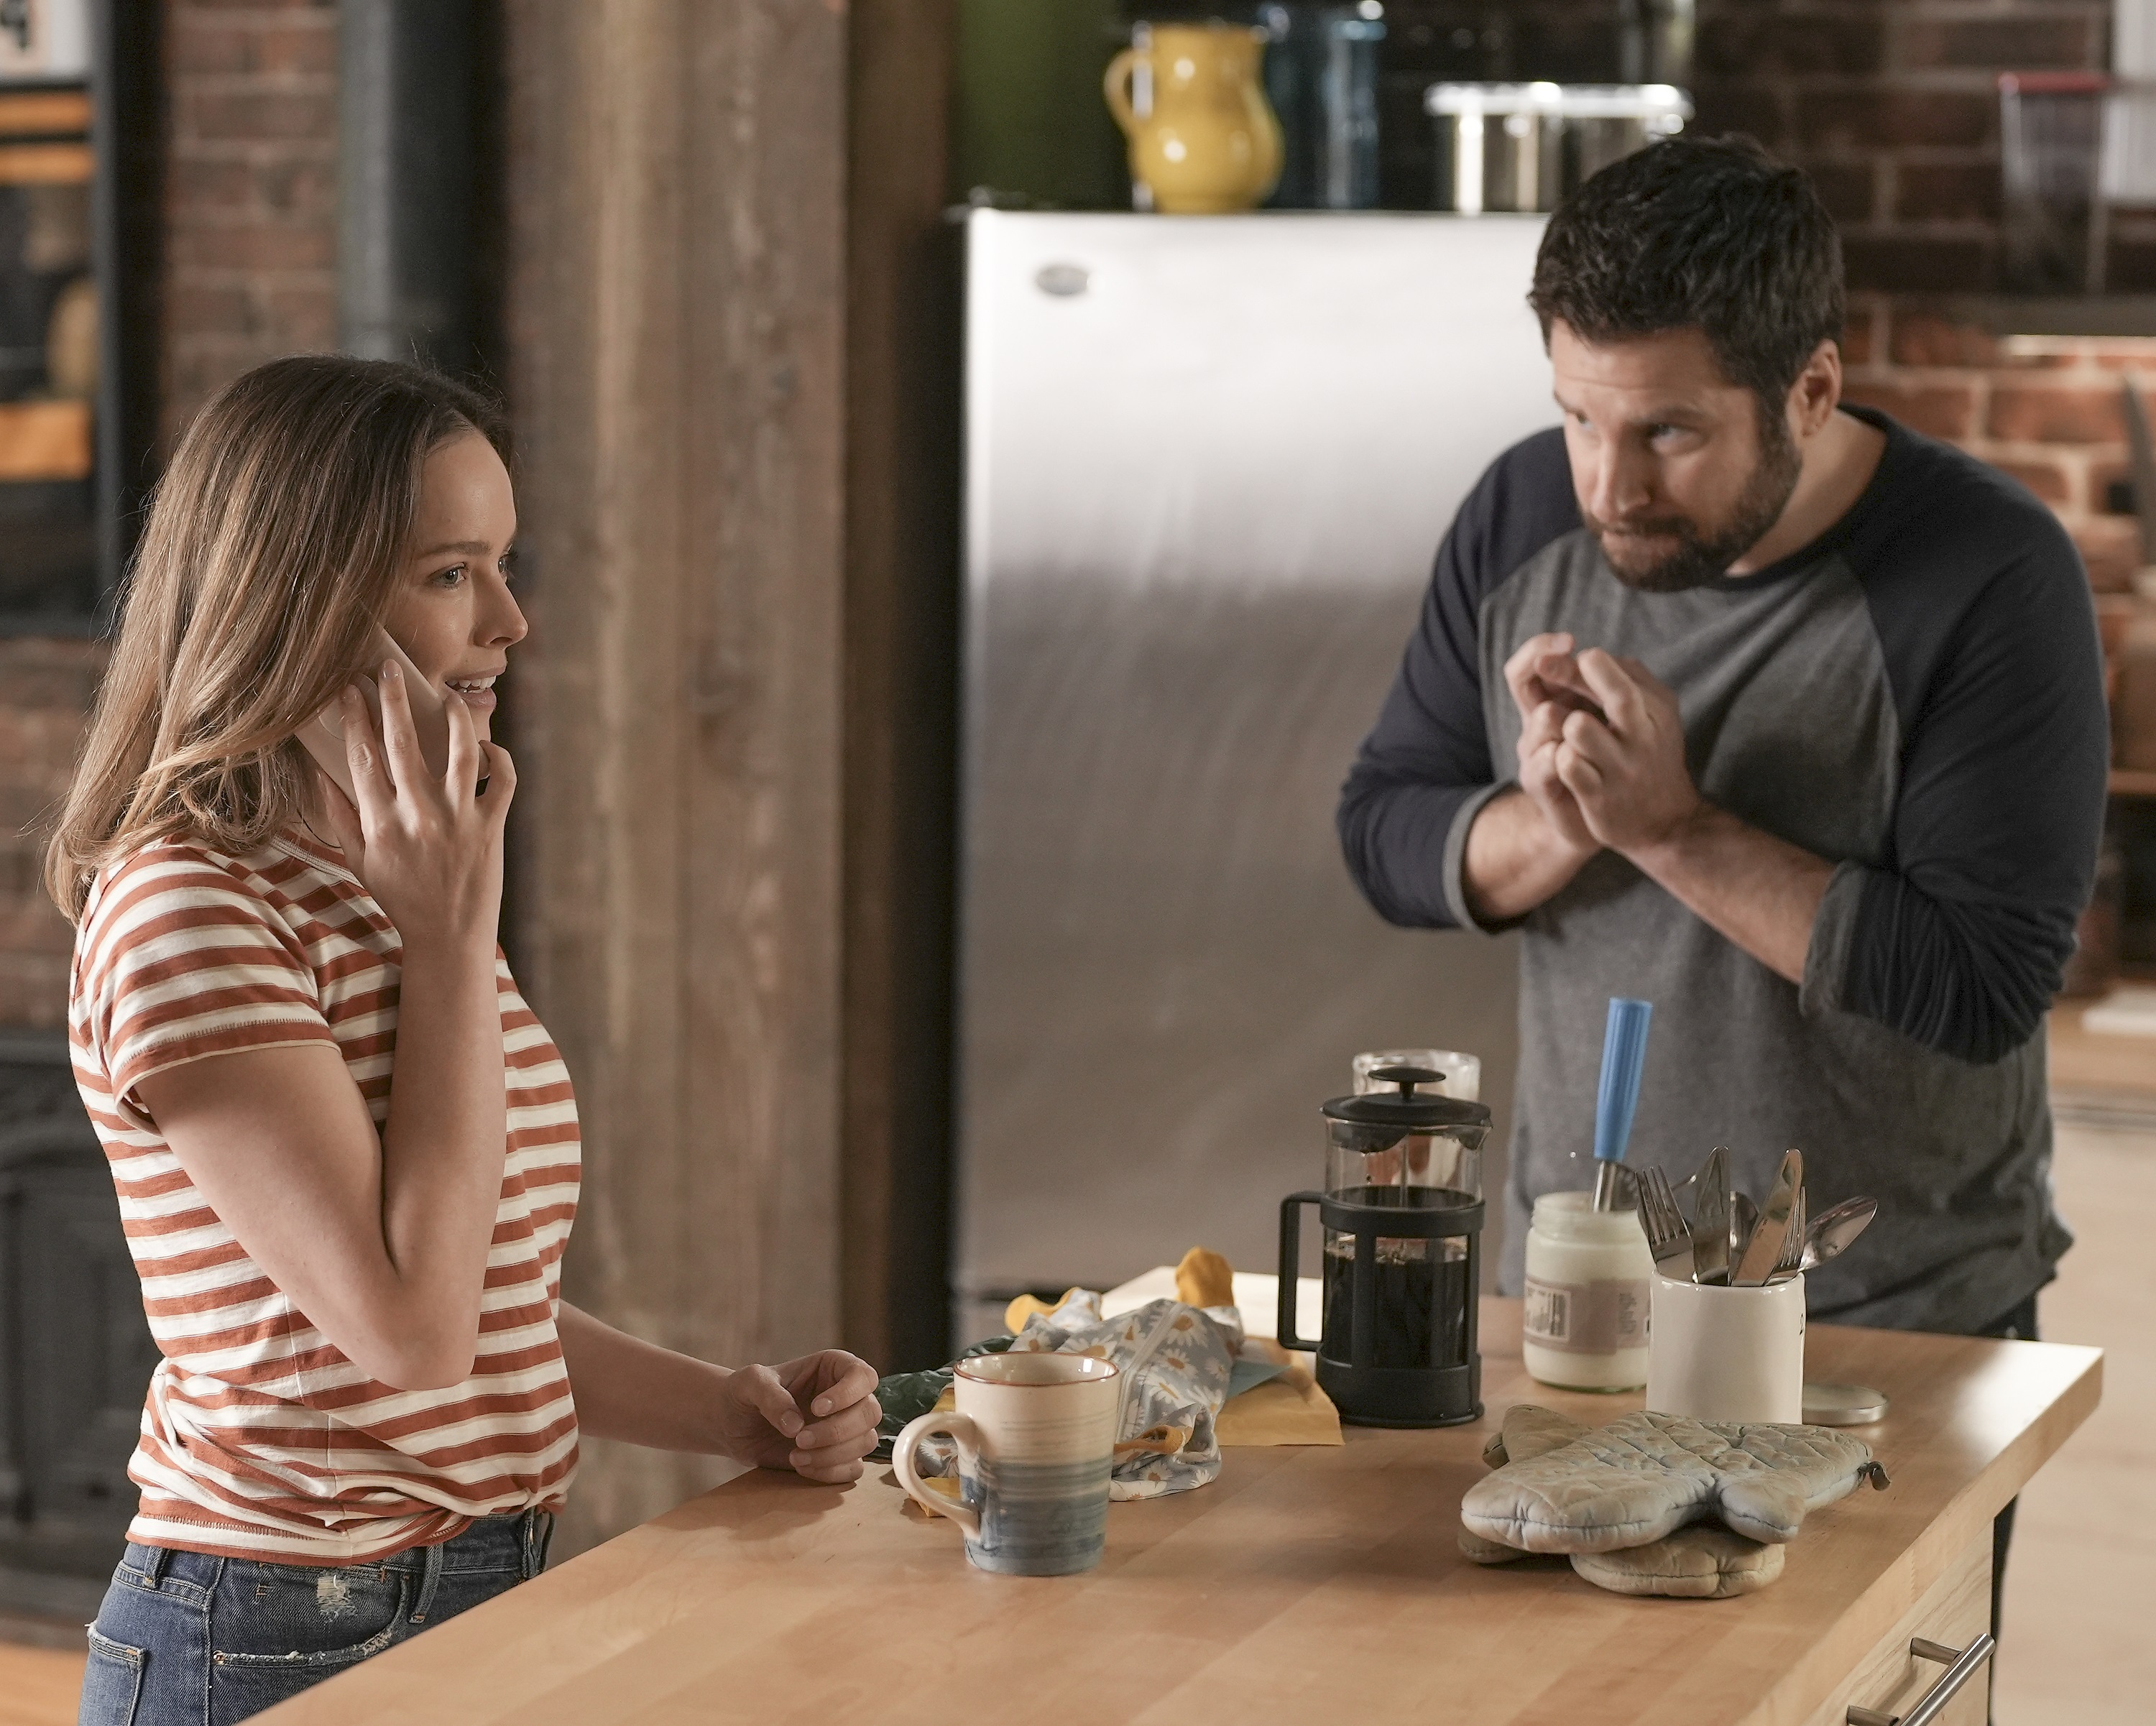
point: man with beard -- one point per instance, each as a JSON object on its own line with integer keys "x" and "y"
{"x": 1774, "y": 714}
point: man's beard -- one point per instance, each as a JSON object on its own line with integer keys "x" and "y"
{"x": 1704, "y": 555}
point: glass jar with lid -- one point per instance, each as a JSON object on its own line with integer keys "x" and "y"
{"x": 1588, "y": 1281}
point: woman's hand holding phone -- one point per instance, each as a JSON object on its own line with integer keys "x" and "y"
{"x": 428, "y": 846}
{"x": 380, "y": 1231}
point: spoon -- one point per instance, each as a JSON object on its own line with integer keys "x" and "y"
{"x": 1831, "y": 1234}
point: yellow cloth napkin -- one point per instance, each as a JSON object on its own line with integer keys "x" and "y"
{"x": 1205, "y": 1279}
{"x": 1025, "y": 1306}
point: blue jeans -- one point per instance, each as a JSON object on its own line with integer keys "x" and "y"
{"x": 187, "y": 1640}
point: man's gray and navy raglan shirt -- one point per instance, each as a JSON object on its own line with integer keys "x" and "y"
{"x": 1917, "y": 697}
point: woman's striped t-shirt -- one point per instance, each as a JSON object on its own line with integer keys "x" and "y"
{"x": 260, "y": 1439}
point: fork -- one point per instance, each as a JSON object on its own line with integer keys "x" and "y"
{"x": 1667, "y": 1237}
{"x": 1792, "y": 1249}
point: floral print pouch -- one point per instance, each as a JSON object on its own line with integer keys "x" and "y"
{"x": 1176, "y": 1360}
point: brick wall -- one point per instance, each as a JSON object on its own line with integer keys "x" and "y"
{"x": 47, "y": 685}
{"x": 1891, "y": 105}
{"x": 250, "y": 245}
{"x": 251, "y": 212}
{"x": 2046, "y": 409}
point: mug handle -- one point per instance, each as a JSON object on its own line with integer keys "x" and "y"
{"x": 1116, "y": 86}
{"x": 960, "y": 1430}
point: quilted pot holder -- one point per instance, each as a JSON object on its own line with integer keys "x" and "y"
{"x": 1702, "y": 1562}
{"x": 1647, "y": 1475}
{"x": 1656, "y": 1503}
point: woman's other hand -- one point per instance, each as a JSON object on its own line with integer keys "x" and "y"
{"x": 428, "y": 847}
{"x": 817, "y": 1415}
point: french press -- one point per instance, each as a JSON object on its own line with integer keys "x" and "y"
{"x": 1402, "y": 1216}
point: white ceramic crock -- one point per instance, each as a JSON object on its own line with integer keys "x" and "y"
{"x": 1727, "y": 1354}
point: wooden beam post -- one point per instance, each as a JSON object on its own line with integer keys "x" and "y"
{"x": 676, "y": 331}
{"x": 901, "y": 682}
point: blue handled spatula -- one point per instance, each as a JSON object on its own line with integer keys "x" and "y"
{"x": 1623, "y": 1054}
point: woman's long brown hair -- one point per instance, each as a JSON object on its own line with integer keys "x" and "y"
{"x": 270, "y": 553}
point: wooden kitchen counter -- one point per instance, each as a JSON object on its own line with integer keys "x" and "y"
{"x": 1315, "y": 1585}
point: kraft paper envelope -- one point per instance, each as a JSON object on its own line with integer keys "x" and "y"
{"x": 1288, "y": 1410}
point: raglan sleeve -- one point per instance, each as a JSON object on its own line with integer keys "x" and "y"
{"x": 1961, "y": 941}
{"x": 1425, "y": 772}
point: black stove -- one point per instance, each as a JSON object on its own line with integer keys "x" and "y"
{"x": 76, "y": 1350}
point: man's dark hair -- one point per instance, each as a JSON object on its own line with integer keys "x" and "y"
{"x": 1705, "y": 234}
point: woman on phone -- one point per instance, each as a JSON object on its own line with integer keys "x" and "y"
{"x": 346, "y": 1150}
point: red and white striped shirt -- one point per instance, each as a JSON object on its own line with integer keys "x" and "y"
{"x": 260, "y": 1439}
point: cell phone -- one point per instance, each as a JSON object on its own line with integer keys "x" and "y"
{"x": 322, "y": 737}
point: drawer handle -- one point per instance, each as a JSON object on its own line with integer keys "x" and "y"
{"x": 1961, "y": 1665}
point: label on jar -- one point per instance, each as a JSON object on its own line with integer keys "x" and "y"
{"x": 1598, "y": 1318}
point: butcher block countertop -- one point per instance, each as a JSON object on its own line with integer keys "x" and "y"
{"x": 1306, "y": 1585}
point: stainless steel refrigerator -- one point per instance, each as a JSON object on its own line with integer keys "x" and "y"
{"x": 1208, "y": 461}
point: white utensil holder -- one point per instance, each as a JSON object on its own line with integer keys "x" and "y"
{"x": 1727, "y": 1354}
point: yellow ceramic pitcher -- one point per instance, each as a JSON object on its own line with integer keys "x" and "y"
{"x": 1211, "y": 143}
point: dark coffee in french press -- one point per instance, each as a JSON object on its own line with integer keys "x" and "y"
{"x": 1402, "y": 1218}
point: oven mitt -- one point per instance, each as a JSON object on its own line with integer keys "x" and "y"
{"x": 1704, "y": 1561}
{"x": 1526, "y": 1432}
{"x": 1645, "y": 1475}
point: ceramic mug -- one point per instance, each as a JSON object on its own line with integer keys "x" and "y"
{"x": 1722, "y": 1354}
{"x": 1036, "y": 1438}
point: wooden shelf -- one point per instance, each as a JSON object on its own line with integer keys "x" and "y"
{"x": 34, "y": 149}
{"x": 44, "y": 440}
{"x": 41, "y": 111}
{"x": 45, "y": 164}
{"x": 2132, "y": 782}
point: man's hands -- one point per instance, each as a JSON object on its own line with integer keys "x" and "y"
{"x": 1545, "y": 688}
{"x": 1622, "y": 760}
{"x": 1602, "y": 765}
{"x": 1602, "y": 746}
{"x": 1525, "y": 847}
{"x": 817, "y": 1415}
